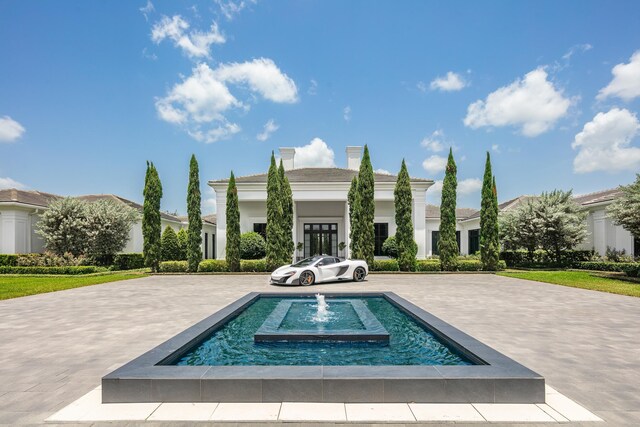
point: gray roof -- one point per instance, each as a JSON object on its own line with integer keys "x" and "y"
{"x": 433, "y": 211}
{"x": 134, "y": 205}
{"x": 35, "y": 198}
{"x": 598, "y": 197}
{"x": 318, "y": 175}
{"x": 211, "y": 219}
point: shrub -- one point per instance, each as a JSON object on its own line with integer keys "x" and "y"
{"x": 170, "y": 245}
{"x": 173, "y": 267}
{"x": 632, "y": 269}
{"x": 50, "y": 259}
{"x": 254, "y": 265}
{"x": 541, "y": 259}
{"x": 385, "y": 265}
{"x": 428, "y": 265}
{"x": 252, "y": 246}
{"x": 602, "y": 266}
{"x": 71, "y": 270}
{"x": 129, "y": 261}
{"x": 212, "y": 265}
{"x": 613, "y": 255}
{"x": 8, "y": 259}
{"x": 390, "y": 247}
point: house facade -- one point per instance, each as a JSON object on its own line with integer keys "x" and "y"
{"x": 20, "y": 212}
{"x": 320, "y": 208}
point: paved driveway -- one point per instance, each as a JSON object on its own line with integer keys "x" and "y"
{"x": 55, "y": 347}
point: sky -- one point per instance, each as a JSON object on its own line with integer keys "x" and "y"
{"x": 90, "y": 90}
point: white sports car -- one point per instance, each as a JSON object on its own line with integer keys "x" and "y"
{"x": 320, "y": 269}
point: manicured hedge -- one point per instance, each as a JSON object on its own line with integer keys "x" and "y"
{"x": 428, "y": 265}
{"x": 254, "y": 265}
{"x": 173, "y": 267}
{"x": 71, "y": 270}
{"x": 542, "y": 259}
{"x": 212, "y": 266}
{"x": 385, "y": 265}
{"x": 463, "y": 265}
{"x": 8, "y": 259}
{"x": 129, "y": 261}
{"x": 630, "y": 268}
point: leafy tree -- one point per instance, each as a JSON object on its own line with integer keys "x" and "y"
{"x": 151, "y": 226}
{"x": 364, "y": 233}
{"x": 274, "y": 217}
{"x": 252, "y": 246}
{"x": 489, "y": 238}
{"x": 63, "y": 226}
{"x": 448, "y": 245}
{"x": 518, "y": 228}
{"x": 560, "y": 221}
{"x": 194, "y": 241}
{"x": 183, "y": 238}
{"x": 108, "y": 227}
{"x": 390, "y": 247}
{"x": 625, "y": 211}
{"x": 233, "y": 227}
{"x": 170, "y": 245}
{"x": 288, "y": 246}
{"x": 354, "y": 208}
{"x": 406, "y": 245}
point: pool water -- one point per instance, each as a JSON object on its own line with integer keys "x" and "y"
{"x": 302, "y": 316}
{"x": 409, "y": 343}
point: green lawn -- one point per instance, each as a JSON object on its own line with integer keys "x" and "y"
{"x": 14, "y": 286}
{"x": 579, "y": 279}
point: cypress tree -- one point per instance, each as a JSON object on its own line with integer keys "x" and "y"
{"x": 448, "y": 245}
{"x": 288, "y": 246}
{"x": 233, "y": 226}
{"x": 194, "y": 245}
{"x": 488, "y": 220}
{"x": 407, "y": 247}
{"x": 151, "y": 226}
{"x": 274, "y": 217}
{"x": 496, "y": 230}
{"x": 366, "y": 210}
{"x": 170, "y": 245}
{"x": 353, "y": 216}
{"x": 182, "y": 243}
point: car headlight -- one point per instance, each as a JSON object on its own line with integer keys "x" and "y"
{"x": 288, "y": 273}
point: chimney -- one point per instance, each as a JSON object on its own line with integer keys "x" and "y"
{"x": 287, "y": 154}
{"x": 354, "y": 155}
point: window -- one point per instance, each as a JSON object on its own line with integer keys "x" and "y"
{"x": 320, "y": 239}
{"x": 381, "y": 232}
{"x": 474, "y": 241}
{"x": 261, "y": 229}
{"x": 435, "y": 237}
{"x": 206, "y": 245}
{"x": 636, "y": 247}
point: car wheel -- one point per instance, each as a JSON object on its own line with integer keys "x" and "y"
{"x": 359, "y": 274}
{"x": 307, "y": 278}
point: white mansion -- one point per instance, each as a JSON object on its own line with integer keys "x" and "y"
{"x": 321, "y": 214}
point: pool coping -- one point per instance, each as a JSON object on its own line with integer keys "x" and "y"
{"x": 496, "y": 379}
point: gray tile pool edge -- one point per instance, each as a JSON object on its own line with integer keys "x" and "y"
{"x": 149, "y": 378}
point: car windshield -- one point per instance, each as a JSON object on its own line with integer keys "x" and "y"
{"x": 307, "y": 261}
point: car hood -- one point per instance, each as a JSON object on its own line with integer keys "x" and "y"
{"x": 282, "y": 269}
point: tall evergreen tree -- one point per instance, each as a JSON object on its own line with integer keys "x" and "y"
{"x": 353, "y": 201}
{"x": 406, "y": 245}
{"x": 183, "y": 239}
{"x": 489, "y": 241}
{"x": 288, "y": 246}
{"x": 274, "y": 217}
{"x": 151, "y": 226}
{"x": 194, "y": 246}
{"x": 233, "y": 226}
{"x": 365, "y": 235}
{"x": 448, "y": 245}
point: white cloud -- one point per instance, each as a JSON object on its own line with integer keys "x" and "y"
{"x": 495, "y": 148}
{"x": 313, "y": 87}
{"x": 435, "y": 164}
{"x": 230, "y": 9}
{"x": 10, "y": 130}
{"x": 533, "y": 103}
{"x": 603, "y": 144}
{"x": 262, "y": 75}
{"x": 346, "y": 113}
{"x": 436, "y": 188}
{"x": 434, "y": 142}
{"x": 469, "y": 185}
{"x": 316, "y": 154}
{"x": 224, "y": 131}
{"x": 269, "y": 128}
{"x": 147, "y": 9}
{"x": 422, "y": 86}
{"x": 626, "y": 80}
{"x": 10, "y": 183}
{"x": 209, "y": 202}
{"x": 196, "y": 44}
{"x": 383, "y": 171}
{"x": 577, "y": 48}
{"x": 451, "y": 82}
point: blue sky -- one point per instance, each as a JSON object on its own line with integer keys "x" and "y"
{"x": 90, "y": 90}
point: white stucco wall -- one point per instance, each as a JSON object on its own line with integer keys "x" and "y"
{"x": 603, "y": 233}
{"x": 433, "y": 224}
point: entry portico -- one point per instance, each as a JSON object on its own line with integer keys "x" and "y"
{"x": 320, "y": 208}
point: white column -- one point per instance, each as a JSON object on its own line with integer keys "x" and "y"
{"x": 347, "y": 229}
{"x": 419, "y": 223}
{"x": 294, "y": 230}
{"x": 221, "y": 224}
{"x": 15, "y": 233}
{"x": 599, "y": 232}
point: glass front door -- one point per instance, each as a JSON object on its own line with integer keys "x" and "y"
{"x": 320, "y": 239}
